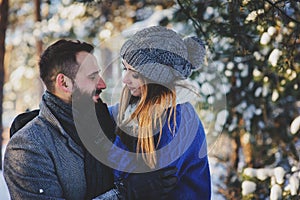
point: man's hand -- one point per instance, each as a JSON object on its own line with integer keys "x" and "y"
{"x": 151, "y": 185}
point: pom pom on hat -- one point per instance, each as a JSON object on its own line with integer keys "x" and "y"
{"x": 196, "y": 51}
{"x": 161, "y": 55}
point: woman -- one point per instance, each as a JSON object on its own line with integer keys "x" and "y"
{"x": 154, "y": 129}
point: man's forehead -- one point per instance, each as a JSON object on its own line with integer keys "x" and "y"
{"x": 87, "y": 63}
{"x": 85, "y": 57}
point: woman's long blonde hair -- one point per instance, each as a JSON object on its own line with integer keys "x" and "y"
{"x": 150, "y": 112}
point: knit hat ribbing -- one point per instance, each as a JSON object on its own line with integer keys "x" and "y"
{"x": 161, "y": 55}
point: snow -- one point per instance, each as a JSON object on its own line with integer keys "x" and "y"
{"x": 265, "y": 38}
{"x": 4, "y": 195}
{"x": 279, "y": 173}
{"x": 294, "y": 184}
{"x": 248, "y": 187}
{"x": 276, "y": 192}
{"x": 295, "y": 125}
{"x": 153, "y": 20}
{"x": 274, "y": 57}
{"x": 3, "y": 188}
{"x": 218, "y": 177}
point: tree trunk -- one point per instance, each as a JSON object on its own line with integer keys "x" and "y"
{"x": 246, "y": 147}
{"x": 3, "y": 26}
{"x": 38, "y": 18}
{"x": 235, "y": 144}
{"x": 241, "y": 140}
{"x": 39, "y": 44}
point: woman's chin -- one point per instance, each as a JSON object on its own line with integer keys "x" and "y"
{"x": 134, "y": 93}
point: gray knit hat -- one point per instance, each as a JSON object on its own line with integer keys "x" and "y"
{"x": 161, "y": 55}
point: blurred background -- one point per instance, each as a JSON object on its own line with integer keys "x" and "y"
{"x": 249, "y": 87}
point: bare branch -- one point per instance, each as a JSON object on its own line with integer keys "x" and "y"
{"x": 282, "y": 12}
{"x": 195, "y": 22}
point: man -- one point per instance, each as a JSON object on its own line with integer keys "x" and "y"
{"x": 46, "y": 158}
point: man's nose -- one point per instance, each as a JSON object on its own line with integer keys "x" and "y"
{"x": 101, "y": 83}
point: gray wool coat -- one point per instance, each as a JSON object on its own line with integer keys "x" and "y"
{"x": 42, "y": 162}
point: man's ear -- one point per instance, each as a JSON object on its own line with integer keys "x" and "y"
{"x": 64, "y": 83}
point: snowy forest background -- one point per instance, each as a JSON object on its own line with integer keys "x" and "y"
{"x": 250, "y": 99}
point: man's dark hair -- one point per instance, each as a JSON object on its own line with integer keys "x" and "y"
{"x": 60, "y": 57}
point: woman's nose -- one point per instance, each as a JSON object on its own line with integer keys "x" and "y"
{"x": 126, "y": 78}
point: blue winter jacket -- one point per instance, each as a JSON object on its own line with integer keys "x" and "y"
{"x": 187, "y": 150}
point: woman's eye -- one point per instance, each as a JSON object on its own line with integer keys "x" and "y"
{"x": 135, "y": 75}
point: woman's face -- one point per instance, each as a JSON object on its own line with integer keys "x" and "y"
{"x": 132, "y": 79}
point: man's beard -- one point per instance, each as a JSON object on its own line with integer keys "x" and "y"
{"x": 77, "y": 93}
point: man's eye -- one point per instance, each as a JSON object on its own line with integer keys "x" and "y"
{"x": 92, "y": 77}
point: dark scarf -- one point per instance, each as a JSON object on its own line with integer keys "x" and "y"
{"x": 99, "y": 178}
